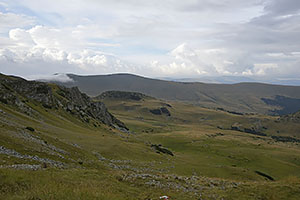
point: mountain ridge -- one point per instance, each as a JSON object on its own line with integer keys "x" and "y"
{"x": 240, "y": 97}
{"x": 22, "y": 93}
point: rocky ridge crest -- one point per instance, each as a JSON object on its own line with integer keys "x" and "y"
{"x": 18, "y": 92}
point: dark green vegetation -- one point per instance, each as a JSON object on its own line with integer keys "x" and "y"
{"x": 54, "y": 146}
{"x": 288, "y": 105}
{"x": 242, "y": 97}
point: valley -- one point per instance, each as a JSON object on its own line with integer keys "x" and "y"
{"x": 58, "y": 143}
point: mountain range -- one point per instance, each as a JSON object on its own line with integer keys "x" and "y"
{"x": 240, "y": 97}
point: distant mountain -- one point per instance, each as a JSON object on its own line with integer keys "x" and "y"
{"x": 236, "y": 79}
{"x": 212, "y": 79}
{"x": 241, "y": 97}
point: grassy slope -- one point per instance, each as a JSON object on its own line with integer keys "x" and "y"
{"x": 191, "y": 133}
{"x": 90, "y": 180}
{"x": 192, "y": 130}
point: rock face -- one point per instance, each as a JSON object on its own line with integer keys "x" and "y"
{"x": 134, "y": 96}
{"x": 17, "y": 91}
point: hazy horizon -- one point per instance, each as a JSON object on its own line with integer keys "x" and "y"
{"x": 63, "y": 77}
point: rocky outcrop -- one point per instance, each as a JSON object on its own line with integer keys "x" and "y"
{"x": 13, "y": 153}
{"x": 237, "y": 127}
{"x": 254, "y": 132}
{"x": 82, "y": 105}
{"x": 295, "y": 117}
{"x": 17, "y": 91}
{"x": 160, "y": 111}
{"x": 121, "y": 95}
{"x": 231, "y": 112}
{"x": 285, "y": 139}
{"x": 251, "y": 130}
{"x": 159, "y": 149}
{"x": 22, "y": 167}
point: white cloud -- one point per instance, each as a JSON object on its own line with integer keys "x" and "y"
{"x": 261, "y": 69}
{"x": 189, "y": 61}
{"x": 233, "y": 37}
{"x": 59, "y": 77}
{"x": 21, "y": 37}
{"x": 186, "y": 60}
{"x": 12, "y": 20}
{"x": 51, "y": 45}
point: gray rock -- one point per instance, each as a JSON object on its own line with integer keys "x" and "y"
{"x": 22, "y": 167}
{"x": 18, "y": 91}
{"x": 14, "y": 153}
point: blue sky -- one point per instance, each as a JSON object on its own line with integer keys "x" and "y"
{"x": 256, "y": 39}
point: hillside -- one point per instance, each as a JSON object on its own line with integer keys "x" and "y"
{"x": 242, "y": 97}
{"x": 22, "y": 94}
{"x": 178, "y": 113}
{"x": 58, "y": 143}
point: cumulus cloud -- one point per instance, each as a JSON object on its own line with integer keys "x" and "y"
{"x": 189, "y": 61}
{"x": 266, "y": 45}
{"x": 48, "y": 45}
{"x": 186, "y": 60}
{"x": 157, "y": 38}
{"x": 260, "y": 69}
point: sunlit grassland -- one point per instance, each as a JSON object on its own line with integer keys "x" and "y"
{"x": 200, "y": 138}
{"x": 200, "y": 150}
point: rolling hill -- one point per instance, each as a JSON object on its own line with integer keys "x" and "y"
{"x": 241, "y": 97}
{"x": 58, "y": 143}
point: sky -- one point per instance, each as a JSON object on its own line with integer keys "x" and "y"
{"x": 254, "y": 39}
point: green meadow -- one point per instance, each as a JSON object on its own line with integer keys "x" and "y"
{"x": 211, "y": 159}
